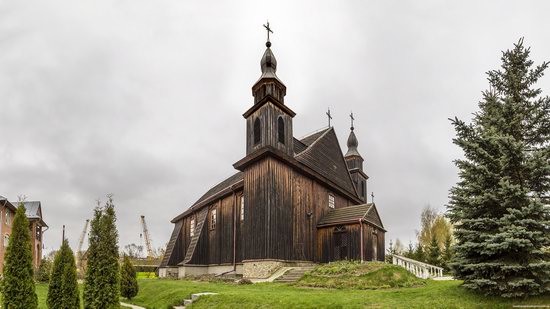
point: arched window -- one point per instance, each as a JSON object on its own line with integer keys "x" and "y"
{"x": 281, "y": 130}
{"x": 257, "y": 131}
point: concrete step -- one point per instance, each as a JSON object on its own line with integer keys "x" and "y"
{"x": 294, "y": 274}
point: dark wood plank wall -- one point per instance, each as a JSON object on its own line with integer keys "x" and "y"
{"x": 368, "y": 238}
{"x": 257, "y": 190}
{"x": 326, "y": 243}
{"x": 282, "y": 208}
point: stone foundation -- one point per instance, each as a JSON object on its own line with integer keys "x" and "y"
{"x": 197, "y": 270}
{"x": 251, "y": 269}
{"x": 263, "y": 269}
{"x": 168, "y": 272}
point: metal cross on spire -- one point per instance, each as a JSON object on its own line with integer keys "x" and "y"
{"x": 372, "y": 197}
{"x": 329, "y": 117}
{"x": 266, "y": 26}
{"x": 352, "y": 119}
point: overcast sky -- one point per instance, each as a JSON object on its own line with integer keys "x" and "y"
{"x": 144, "y": 99}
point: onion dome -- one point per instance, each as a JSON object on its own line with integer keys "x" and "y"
{"x": 268, "y": 84}
{"x": 352, "y": 145}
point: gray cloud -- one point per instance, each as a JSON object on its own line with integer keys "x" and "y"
{"x": 144, "y": 99}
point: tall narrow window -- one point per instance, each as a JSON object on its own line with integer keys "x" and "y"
{"x": 192, "y": 228}
{"x": 8, "y": 219}
{"x": 242, "y": 207}
{"x": 213, "y": 219}
{"x": 6, "y": 240}
{"x": 257, "y": 131}
{"x": 281, "y": 130}
{"x": 362, "y": 188}
{"x": 330, "y": 200}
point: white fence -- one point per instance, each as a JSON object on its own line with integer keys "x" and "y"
{"x": 419, "y": 269}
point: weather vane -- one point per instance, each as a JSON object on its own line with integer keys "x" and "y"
{"x": 266, "y": 26}
{"x": 352, "y": 119}
{"x": 329, "y": 117}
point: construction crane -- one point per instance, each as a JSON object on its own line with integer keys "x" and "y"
{"x": 80, "y": 242}
{"x": 150, "y": 253}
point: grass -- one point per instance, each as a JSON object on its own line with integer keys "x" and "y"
{"x": 146, "y": 275}
{"x": 356, "y": 275}
{"x": 163, "y": 293}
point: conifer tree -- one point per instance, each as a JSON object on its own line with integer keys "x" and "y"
{"x": 128, "y": 280}
{"x": 498, "y": 205}
{"x": 18, "y": 291}
{"x": 447, "y": 253}
{"x": 63, "y": 288}
{"x": 434, "y": 253}
{"x": 419, "y": 253}
{"x": 410, "y": 251}
{"x": 44, "y": 271}
{"x": 102, "y": 284}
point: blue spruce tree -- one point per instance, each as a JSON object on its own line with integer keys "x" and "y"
{"x": 499, "y": 206}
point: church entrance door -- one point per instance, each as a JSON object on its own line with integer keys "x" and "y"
{"x": 341, "y": 244}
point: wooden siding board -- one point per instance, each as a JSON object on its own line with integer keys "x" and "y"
{"x": 199, "y": 234}
{"x": 172, "y": 252}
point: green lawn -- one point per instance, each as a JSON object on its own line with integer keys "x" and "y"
{"x": 161, "y": 293}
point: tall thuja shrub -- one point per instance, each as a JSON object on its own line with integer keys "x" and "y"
{"x": 502, "y": 224}
{"x": 63, "y": 288}
{"x": 102, "y": 284}
{"x": 18, "y": 289}
{"x": 128, "y": 279}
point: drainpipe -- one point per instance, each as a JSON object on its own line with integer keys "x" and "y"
{"x": 361, "y": 236}
{"x": 234, "y": 229}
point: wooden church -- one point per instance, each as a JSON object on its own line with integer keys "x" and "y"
{"x": 292, "y": 201}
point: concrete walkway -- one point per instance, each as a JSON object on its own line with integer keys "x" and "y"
{"x": 131, "y": 306}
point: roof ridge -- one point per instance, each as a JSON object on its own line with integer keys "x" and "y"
{"x": 315, "y": 141}
{"x": 312, "y": 133}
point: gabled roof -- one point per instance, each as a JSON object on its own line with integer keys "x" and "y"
{"x": 33, "y": 211}
{"x": 310, "y": 138}
{"x": 4, "y": 202}
{"x": 215, "y": 191}
{"x": 233, "y": 179}
{"x": 324, "y": 156}
{"x": 298, "y": 146}
{"x": 352, "y": 214}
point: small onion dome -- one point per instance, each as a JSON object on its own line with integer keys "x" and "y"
{"x": 268, "y": 63}
{"x": 352, "y": 145}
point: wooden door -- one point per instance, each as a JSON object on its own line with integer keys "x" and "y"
{"x": 341, "y": 244}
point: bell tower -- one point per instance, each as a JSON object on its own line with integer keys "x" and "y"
{"x": 269, "y": 120}
{"x": 354, "y": 161}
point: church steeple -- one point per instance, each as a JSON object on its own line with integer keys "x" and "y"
{"x": 268, "y": 84}
{"x": 354, "y": 161}
{"x": 269, "y": 121}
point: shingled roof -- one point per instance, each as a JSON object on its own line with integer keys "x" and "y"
{"x": 352, "y": 214}
{"x": 324, "y": 156}
{"x": 216, "y": 190}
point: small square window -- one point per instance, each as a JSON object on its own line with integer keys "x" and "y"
{"x": 213, "y": 218}
{"x": 330, "y": 200}
{"x": 242, "y": 208}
